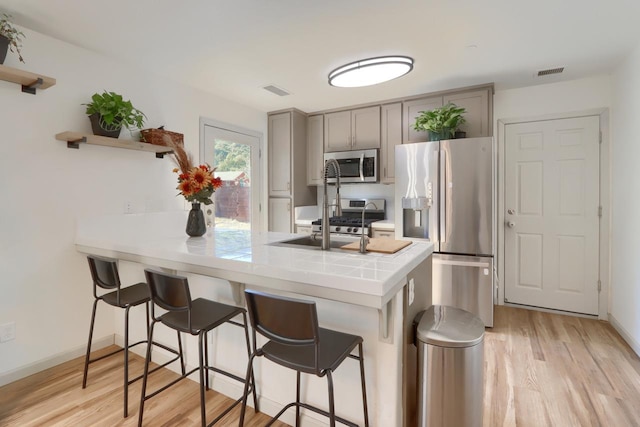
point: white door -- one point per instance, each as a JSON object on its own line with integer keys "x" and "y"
{"x": 551, "y": 214}
{"x": 235, "y": 154}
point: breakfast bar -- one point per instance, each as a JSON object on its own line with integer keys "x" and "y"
{"x": 373, "y": 295}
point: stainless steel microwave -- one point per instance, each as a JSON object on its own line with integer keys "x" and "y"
{"x": 355, "y": 166}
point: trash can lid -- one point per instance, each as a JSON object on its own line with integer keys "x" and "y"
{"x": 446, "y": 326}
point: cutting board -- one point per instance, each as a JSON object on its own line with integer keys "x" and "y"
{"x": 386, "y": 246}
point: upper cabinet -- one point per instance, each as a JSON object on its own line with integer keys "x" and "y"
{"x": 352, "y": 130}
{"x": 280, "y": 138}
{"x": 315, "y": 154}
{"x": 478, "y": 118}
{"x": 412, "y": 109}
{"x": 391, "y": 135}
{"x": 479, "y": 115}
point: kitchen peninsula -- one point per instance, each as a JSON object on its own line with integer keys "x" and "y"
{"x": 372, "y": 295}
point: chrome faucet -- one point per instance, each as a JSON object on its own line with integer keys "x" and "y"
{"x": 326, "y": 244}
{"x": 364, "y": 240}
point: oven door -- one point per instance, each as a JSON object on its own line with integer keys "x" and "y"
{"x": 355, "y": 166}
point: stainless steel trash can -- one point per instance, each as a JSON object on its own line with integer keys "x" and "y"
{"x": 450, "y": 367}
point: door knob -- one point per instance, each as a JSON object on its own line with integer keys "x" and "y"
{"x": 511, "y": 211}
{"x": 511, "y": 224}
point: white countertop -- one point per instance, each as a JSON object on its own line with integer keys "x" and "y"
{"x": 238, "y": 255}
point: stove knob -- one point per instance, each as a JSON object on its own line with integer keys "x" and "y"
{"x": 349, "y": 230}
{"x": 337, "y": 229}
{"x": 355, "y": 229}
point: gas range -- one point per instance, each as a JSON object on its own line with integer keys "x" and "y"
{"x": 351, "y": 220}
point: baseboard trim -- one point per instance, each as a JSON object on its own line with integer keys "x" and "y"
{"x": 635, "y": 346}
{"x": 49, "y": 362}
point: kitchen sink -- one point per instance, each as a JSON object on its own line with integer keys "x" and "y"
{"x": 312, "y": 242}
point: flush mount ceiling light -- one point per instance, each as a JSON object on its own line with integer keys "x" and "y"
{"x": 370, "y": 71}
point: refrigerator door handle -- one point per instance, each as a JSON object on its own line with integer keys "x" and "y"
{"x": 463, "y": 263}
{"x": 443, "y": 196}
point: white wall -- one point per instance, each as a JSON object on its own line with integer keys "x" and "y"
{"x": 45, "y": 287}
{"x": 554, "y": 98}
{"x": 625, "y": 250}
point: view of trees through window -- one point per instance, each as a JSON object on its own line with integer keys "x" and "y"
{"x": 230, "y": 156}
{"x": 233, "y": 200}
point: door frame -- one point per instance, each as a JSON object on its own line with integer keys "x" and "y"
{"x": 605, "y": 201}
{"x": 259, "y": 178}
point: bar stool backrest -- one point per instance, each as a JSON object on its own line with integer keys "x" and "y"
{"x": 169, "y": 292}
{"x": 104, "y": 273}
{"x": 284, "y": 320}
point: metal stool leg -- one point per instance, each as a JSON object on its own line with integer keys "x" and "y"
{"x": 297, "y": 398}
{"x": 332, "y": 411}
{"x": 126, "y": 361}
{"x": 246, "y": 390}
{"x": 182, "y": 365}
{"x": 253, "y": 380}
{"x": 364, "y": 388}
{"x": 203, "y": 412}
{"x": 86, "y": 359}
{"x": 145, "y": 375}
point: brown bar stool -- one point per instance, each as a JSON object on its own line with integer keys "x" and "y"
{"x": 297, "y": 342}
{"x": 195, "y": 317}
{"x": 104, "y": 273}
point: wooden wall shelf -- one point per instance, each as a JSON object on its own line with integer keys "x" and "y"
{"x": 29, "y": 81}
{"x": 74, "y": 139}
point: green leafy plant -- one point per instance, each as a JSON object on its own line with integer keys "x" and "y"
{"x": 444, "y": 120}
{"x": 115, "y": 112}
{"x": 12, "y": 34}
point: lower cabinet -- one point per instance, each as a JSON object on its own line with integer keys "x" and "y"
{"x": 383, "y": 234}
{"x": 280, "y": 217}
{"x": 303, "y": 229}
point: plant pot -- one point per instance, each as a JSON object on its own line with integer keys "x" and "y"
{"x": 4, "y": 48}
{"x": 98, "y": 130}
{"x": 444, "y": 133}
{"x": 459, "y": 134}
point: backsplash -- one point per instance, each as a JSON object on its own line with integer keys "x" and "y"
{"x": 365, "y": 191}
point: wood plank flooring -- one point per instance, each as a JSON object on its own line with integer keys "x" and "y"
{"x": 545, "y": 369}
{"x": 541, "y": 369}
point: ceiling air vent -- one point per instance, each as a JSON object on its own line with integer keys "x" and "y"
{"x": 550, "y": 71}
{"x": 277, "y": 90}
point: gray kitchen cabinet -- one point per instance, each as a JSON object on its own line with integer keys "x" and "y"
{"x": 357, "y": 129}
{"x": 390, "y": 136}
{"x": 411, "y": 110}
{"x": 477, "y": 101}
{"x": 280, "y": 215}
{"x": 478, "y": 116}
{"x": 383, "y": 234}
{"x": 287, "y": 168}
{"x": 303, "y": 229}
{"x": 315, "y": 147}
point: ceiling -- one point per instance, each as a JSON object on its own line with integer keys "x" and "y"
{"x": 233, "y": 48}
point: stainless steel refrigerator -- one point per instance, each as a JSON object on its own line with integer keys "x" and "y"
{"x": 444, "y": 193}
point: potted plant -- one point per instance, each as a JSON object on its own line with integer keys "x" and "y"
{"x": 440, "y": 123}
{"x": 10, "y": 38}
{"x": 109, "y": 113}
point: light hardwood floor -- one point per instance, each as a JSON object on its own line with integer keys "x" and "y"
{"x": 541, "y": 369}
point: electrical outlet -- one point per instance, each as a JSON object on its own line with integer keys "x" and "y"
{"x": 128, "y": 207}
{"x": 8, "y": 332}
